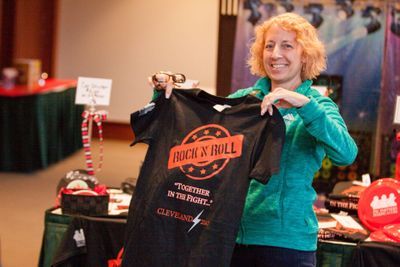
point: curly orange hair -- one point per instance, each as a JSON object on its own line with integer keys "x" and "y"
{"x": 314, "y": 54}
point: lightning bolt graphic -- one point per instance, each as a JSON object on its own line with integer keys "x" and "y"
{"x": 196, "y": 220}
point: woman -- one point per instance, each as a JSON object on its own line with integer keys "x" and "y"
{"x": 278, "y": 226}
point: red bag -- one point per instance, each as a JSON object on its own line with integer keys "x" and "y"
{"x": 118, "y": 261}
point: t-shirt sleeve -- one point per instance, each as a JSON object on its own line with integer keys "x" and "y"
{"x": 268, "y": 150}
{"x": 144, "y": 122}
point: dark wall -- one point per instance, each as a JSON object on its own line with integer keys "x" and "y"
{"x": 28, "y": 31}
{"x": 226, "y": 41}
{"x": 7, "y": 13}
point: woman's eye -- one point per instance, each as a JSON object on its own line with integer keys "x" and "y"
{"x": 287, "y": 46}
{"x": 269, "y": 46}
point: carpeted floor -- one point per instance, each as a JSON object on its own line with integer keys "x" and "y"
{"x": 25, "y": 197}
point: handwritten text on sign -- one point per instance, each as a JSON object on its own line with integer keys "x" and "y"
{"x": 93, "y": 91}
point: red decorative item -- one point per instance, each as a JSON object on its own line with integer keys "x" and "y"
{"x": 392, "y": 231}
{"x": 49, "y": 86}
{"x": 118, "y": 261}
{"x": 85, "y": 192}
{"x": 379, "y": 204}
{"x": 98, "y": 190}
{"x": 85, "y": 202}
{"x": 397, "y": 172}
{"x": 98, "y": 117}
{"x": 380, "y": 236}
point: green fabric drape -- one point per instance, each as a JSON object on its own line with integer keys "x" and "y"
{"x": 54, "y": 228}
{"x": 334, "y": 254}
{"x": 38, "y": 130}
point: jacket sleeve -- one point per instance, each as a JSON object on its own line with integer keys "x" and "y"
{"x": 156, "y": 94}
{"x": 322, "y": 120}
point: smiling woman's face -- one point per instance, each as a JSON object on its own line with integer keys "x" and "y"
{"x": 282, "y": 57}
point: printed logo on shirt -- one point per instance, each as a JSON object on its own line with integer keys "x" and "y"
{"x": 184, "y": 217}
{"x": 205, "y": 151}
{"x": 192, "y": 194}
{"x": 288, "y": 117}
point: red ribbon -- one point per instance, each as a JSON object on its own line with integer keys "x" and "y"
{"x": 98, "y": 117}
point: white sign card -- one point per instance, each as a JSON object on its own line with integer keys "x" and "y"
{"x": 93, "y": 91}
{"x": 329, "y": 224}
{"x": 347, "y": 221}
{"x": 397, "y": 111}
{"x": 366, "y": 179}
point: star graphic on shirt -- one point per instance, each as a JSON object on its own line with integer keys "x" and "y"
{"x": 206, "y": 132}
{"x": 194, "y": 137}
{"x": 215, "y": 166}
{"x": 218, "y": 133}
{"x": 191, "y": 169}
{"x": 203, "y": 171}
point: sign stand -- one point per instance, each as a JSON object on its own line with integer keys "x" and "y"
{"x": 92, "y": 92}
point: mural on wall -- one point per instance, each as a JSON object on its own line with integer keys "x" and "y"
{"x": 354, "y": 35}
{"x": 350, "y": 30}
{"x": 386, "y": 130}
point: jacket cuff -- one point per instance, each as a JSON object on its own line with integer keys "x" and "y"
{"x": 310, "y": 111}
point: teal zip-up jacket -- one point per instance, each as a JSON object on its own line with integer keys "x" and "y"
{"x": 280, "y": 213}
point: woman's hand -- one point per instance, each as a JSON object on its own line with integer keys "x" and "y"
{"x": 282, "y": 98}
{"x": 162, "y": 82}
{"x": 168, "y": 81}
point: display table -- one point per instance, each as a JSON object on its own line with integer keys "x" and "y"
{"x": 39, "y": 125}
{"x": 62, "y": 244}
{"x": 104, "y": 238}
{"x": 335, "y": 254}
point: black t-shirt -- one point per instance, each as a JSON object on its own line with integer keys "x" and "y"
{"x": 191, "y": 189}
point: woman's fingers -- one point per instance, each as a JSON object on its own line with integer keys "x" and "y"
{"x": 282, "y": 98}
{"x": 195, "y": 84}
{"x": 266, "y": 105}
{"x": 168, "y": 90}
{"x": 150, "y": 82}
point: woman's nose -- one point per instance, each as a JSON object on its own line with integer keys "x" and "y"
{"x": 276, "y": 52}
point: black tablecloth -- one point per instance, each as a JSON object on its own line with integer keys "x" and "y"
{"x": 89, "y": 242}
{"x": 104, "y": 239}
{"x": 62, "y": 245}
{"x": 373, "y": 254}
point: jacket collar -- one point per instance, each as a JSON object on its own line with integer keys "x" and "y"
{"x": 264, "y": 84}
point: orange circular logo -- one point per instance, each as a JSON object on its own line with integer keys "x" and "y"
{"x": 205, "y": 151}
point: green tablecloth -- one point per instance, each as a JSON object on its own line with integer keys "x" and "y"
{"x": 334, "y": 254}
{"x": 54, "y": 228}
{"x": 38, "y": 130}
